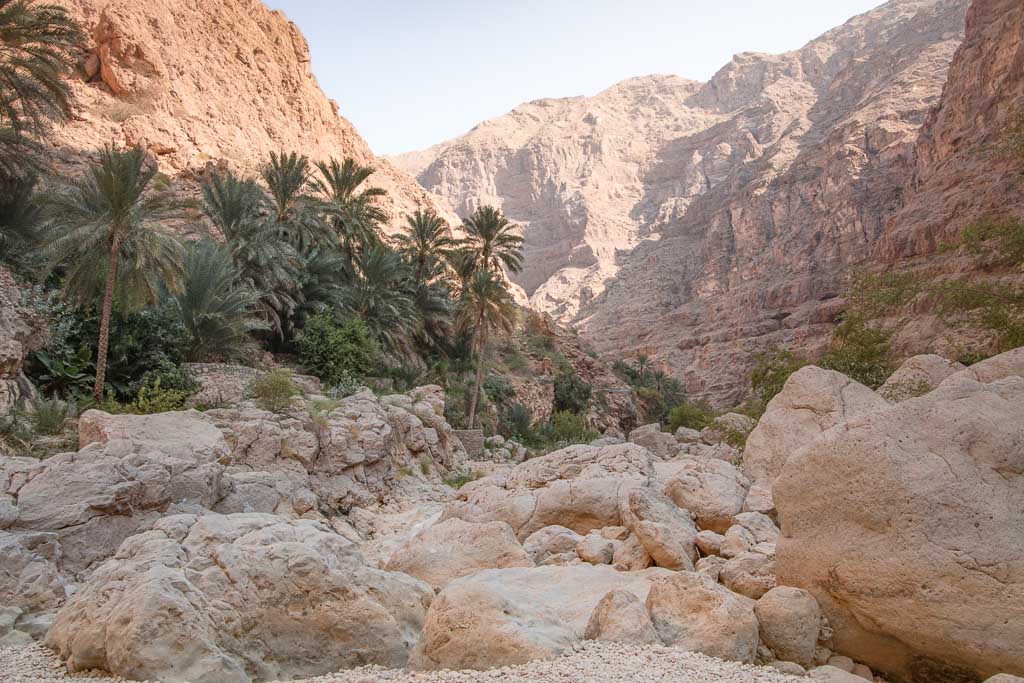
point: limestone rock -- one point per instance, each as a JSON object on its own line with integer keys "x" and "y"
{"x": 577, "y": 487}
{"x": 596, "y": 549}
{"x": 631, "y": 555}
{"x": 832, "y": 674}
{"x": 454, "y": 548}
{"x": 621, "y": 617}
{"x": 501, "y": 617}
{"x": 662, "y": 444}
{"x": 32, "y": 576}
{"x": 713, "y": 490}
{"x": 709, "y": 543}
{"x": 552, "y": 545}
{"x": 760, "y": 526}
{"x": 178, "y": 434}
{"x": 917, "y": 376}
{"x": 666, "y": 532}
{"x": 691, "y": 611}
{"x": 812, "y": 401}
{"x": 938, "y": 482}
{"x": 1009, "y": 364}
{"x": 789, "y": 621}
{"x": 749, "y": 574}
{"x": 246, "y": 597}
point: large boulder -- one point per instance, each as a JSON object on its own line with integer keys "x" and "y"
{"x": 1009, "y": 364}
{"x": 666, "y": 532}
{"x": 238, "y": 598}
{"x": 621, "y": 617}
{"x": 907, "y": 525}
{"x": 812, "y": 401}
{"x": 789, "y": 620}
{"x": 662, "y": 444}
{"x": 712, "y": 489}
{"x": 177, "y": 434}
{"x": 31, "y": 572}
{"x": 578, "y": 487}
{"x": 455, "y": 548}
{"x": 917, "y": 376}
{"x": 691, "y": 611}
{"x": 502, "y": 617}
{"x": 552, "y": 545}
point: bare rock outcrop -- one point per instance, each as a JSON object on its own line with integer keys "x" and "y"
{"x": 938, "y": 483}
{"x": 20, "y": 333}
{"x": 918, "y": 376}
{"x": 699, "y": 222}
{"x": 238, "y": 598}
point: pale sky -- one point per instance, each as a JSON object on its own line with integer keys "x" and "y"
{"x": 412, "y": 73}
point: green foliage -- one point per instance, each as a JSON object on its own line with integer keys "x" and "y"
{"x": 216, "y": 308}
{"x": 425, "y": 463}
{"x": 565, "y": 429}
{"x": 61, "y": 372}
{"x": 516, "y": 422}
{"x": 458, "y": 480}
{"x": 172, "y": 378}
{"x": 771, "y": 370}
{"x": 153, "y": 398}
{"x": 498, "y": 389}
{"x": 572, "y": 394}
{"x": 337, "y": 351}
{"x": 491, "y": 241}
{"x": 690, "y": 415}
{"x": 861, "y": 351}
{"x": 49, "y": 415}
{"x": 20, "y": 222}
{"x": 274, "y": 390}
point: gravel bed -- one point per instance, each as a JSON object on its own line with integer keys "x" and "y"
{"x": 589, "y": 663}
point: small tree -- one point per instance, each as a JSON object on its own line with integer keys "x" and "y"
{"x": 106, "y": 229}
{"x": 572, "y": 394}
{"x": 485, "y": 307}
{"x": 337, "y": 351}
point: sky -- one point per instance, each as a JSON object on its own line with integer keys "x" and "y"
{"x": 412, "y": 73}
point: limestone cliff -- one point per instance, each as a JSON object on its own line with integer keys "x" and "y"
{"x": 699, "y": 223}
{"x": 209, "y": 82}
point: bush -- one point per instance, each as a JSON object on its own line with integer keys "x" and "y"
{"x": 517, "y": 422}
{"x": 565, "y": 429}
{"x": 572, "y": 394}
{"x": 771, "y": 371}
{"x": 49, "y": 416}
{"x": 154, "y": 398}
{"x": 498, "y": 389}
{"x": 861, "y": 352}
{"x": 274, "y": 391}
{"x": 690, "y": 415}
{"x": 337, "y": 351}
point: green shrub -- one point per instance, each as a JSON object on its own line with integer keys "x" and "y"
{"x": 652, "y": 404}
{"x": 49, "y": 415}
{"x": 860, "y": 351}
{"x": 274, "y": 391}
{"x": 457, "y": 481}
{"x": 690, "y": 415}
{"x": 335, "y": 350}
{"x": 517, "y": 422}
{"x": 565, "y": 429}
{"x": 771, "y": 370}
{"x": 498, "y": 389}
{"x": 153, "y": 398}
{"x": 171, "y": 378}
{"x": 572, "y": 394}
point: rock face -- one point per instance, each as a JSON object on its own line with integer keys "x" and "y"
{"x": 917, "y": 376}
{"x": 455, "y": 548}
{"x": 501, "y": 617}
{"x": 812, "y": 401}
{"x": 238, "y": 598}
{"x": 20, "y": 332}
{"x": 938, "y": 483}
{"x": 209, "y": 83}
{"x": 724, "y": 214}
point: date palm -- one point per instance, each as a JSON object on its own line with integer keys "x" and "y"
{"x": 107, "y": 231}
{"x": 485, "y": 307}
{"x": 216, "y": 306}
{"x": 293, "y": 210}
{"x": 492, "y": 242}
{"x": 19, "y": 218}
{"x": 37, "y": 44}
{"x": 382, "y": 294}
{"x": 355, "y": 215}
{"x": 425, "y": 243}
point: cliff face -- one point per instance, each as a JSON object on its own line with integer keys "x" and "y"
{"x": 700, "y": 223}
{"x": 203, "y": 82}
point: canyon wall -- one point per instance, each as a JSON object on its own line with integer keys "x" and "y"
{"x": 206, "y": 83}
{"x": 702, "y": 223}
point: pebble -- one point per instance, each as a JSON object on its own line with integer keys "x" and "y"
{"x": 588, "y": 663}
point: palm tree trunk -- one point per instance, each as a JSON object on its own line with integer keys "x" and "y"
{"x": 479, "y": 376}
{"x": 108, "y": 305}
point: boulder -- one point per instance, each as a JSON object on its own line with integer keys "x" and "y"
{"x": 760, "y": 526}
{"x": 759, "y": 499}
{"x": 710, "y": 543}
{"x": 832, "y": 674}
{"x": 689, "y": 610}
{"x": 454, "y": 548}
{"x": 737, "y": 540}
{"x": 812, "y": 401}
{"x": 727, "y": 427}
{"x": 552, "y": 545}
{"x": 711, "y": 566}
{"x": 596, "y": 549}
{"x": 1004, "y": 678}
{"x": 177, "y": 434}
{"x": 630, "y": 555}
{"x": 32, "y": 576}
{"x": 789, "y": 620}
{"x": 578, "y": 487}
{"x": 666, "y": 532}
{"x": 662, "y": 444}
{"x": 1009, "y": 364}
{"x": 245, "y": 597}
{"x": 621, "y": 617}
{"x": 917, "y": 376}
{"x": 749, "y": 574}
{"x": 713, "y": 490}
{"x": 504, "y": 617}
{"x": 685, "y": 435}
{"x": 913, "y": 539}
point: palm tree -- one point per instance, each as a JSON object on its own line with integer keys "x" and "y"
{"x": 485, "y": 306}
{"x": 426, "y": 242}
{"x": 264, "y": 257}
{"x": 105, "y": 228}
{"x": 383, "y": 295}
{"x": 19, "y": 218}
{"x": 643, "y": 364}
{"x": 37, "y": 48}
{"x": 295, "y": 212}
{"x": 491, "y": 241}
{"x": 354, "y": 216}
{"x": 215, "y": 305}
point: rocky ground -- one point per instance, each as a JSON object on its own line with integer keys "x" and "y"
{"x": 608, "y": 662}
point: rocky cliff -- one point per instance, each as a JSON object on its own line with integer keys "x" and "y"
{"x": 214, "y": 82}
{"x": 699, "y": 223}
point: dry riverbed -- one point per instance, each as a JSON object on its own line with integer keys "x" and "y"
{"x": 591, "y": 662}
